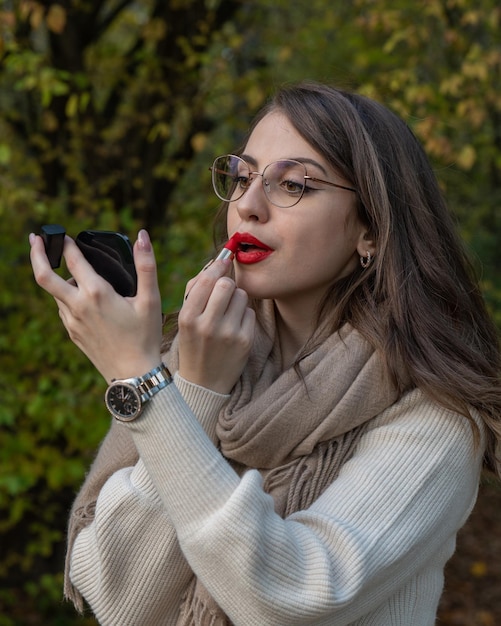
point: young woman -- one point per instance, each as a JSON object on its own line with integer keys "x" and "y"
{"x": 335, "y": 392}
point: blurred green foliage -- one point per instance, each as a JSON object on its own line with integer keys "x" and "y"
{"x": 111, "y": 112}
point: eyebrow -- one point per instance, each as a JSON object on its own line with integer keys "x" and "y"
{"x": 304, "y": 160}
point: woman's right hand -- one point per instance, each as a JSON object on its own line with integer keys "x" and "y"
{"x": 216, "y": 329}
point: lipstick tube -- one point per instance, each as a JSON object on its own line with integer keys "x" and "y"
{"x": 230, "y": 247}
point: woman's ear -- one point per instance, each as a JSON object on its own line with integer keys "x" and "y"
{"x": 366, "y": 244}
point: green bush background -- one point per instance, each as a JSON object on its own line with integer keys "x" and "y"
{"x": 111, "y": 112}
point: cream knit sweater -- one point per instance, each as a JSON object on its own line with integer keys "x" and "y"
{"x": 370, "y": 551}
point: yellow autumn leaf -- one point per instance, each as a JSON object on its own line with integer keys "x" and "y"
{"x": 56, "y": 18}
{"x": 161, "y": 130}
{"x": 36, "y": 12}
{"x": 5, "y": 154}
{"x": 199, "y": 141}
{"x": 466, "y": 158}
{"x": 72, "y": 105}
{"x": 155, "y": 29}
{"x": 475, "y": 69}
{"x": 471, "y": 18}
{"x": 285, "y": 53}
{"x": 478, "y": 569}
{"x": 472, "y": 111}
{"x": 254, "y": 96}
{"x": 452, "y": 85}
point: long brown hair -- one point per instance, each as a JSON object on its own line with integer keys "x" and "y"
{"x": 418, "y": 303}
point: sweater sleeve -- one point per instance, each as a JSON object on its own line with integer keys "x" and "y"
{"x": 203, "y": 403}
{"x": 127, "y": 563}
{"x": 393, "y": 511}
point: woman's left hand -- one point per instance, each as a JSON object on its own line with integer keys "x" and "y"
{"x": 121, "y": 336}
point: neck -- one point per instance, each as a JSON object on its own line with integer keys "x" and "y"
{"x": 294, "y": 329}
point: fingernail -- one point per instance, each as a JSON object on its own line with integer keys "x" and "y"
{"x": 32, "y": 238}
{"x": 144, "y": 240}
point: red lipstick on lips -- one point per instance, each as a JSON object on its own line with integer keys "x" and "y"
{"x": 249, "y": 249}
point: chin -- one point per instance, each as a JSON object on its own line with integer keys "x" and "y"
{"x": 255, "y": 292}
{"x": 257, "y": 287}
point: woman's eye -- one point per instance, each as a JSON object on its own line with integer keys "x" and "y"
{"x": 291, "y": 186}
{"x": 242, "y": 181}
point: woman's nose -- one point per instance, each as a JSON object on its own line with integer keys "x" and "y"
{"x": 253, "y": 204}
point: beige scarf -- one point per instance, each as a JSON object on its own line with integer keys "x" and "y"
{"x": 296, "y": 428}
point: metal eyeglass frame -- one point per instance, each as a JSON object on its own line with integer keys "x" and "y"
{"x": 213, "y": 169}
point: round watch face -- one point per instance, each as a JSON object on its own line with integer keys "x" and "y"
{"x": 123, "y": 401}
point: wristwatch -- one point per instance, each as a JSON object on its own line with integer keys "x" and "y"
{"x": 126, "y": 398}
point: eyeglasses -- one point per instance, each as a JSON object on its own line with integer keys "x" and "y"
{"x": 284, "y": 182}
